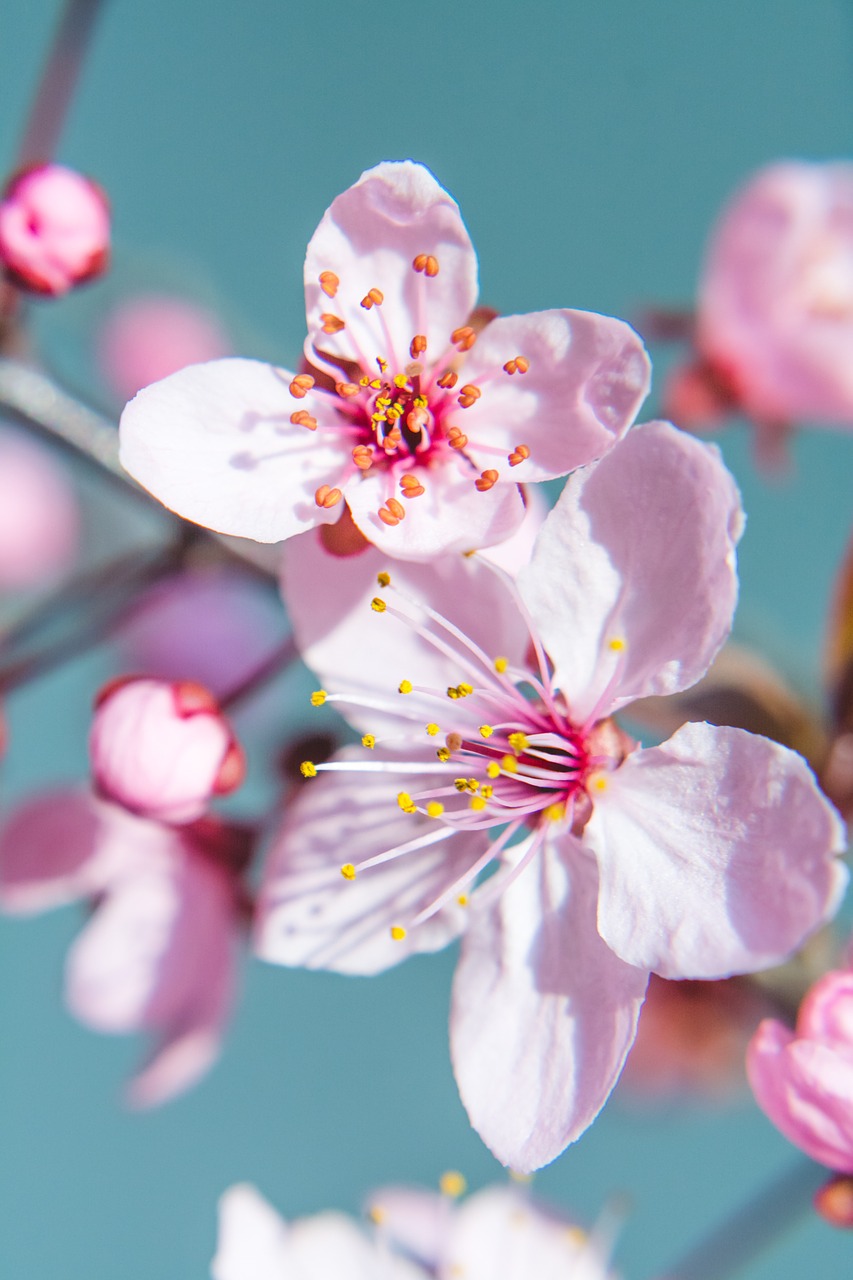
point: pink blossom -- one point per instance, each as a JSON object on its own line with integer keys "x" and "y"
{"x": 39, "y": 519}
{"x": 54, "y": 229}
{"x": 710, "y": 854}
{"x": 803, "y": 1079}
{"x": 157, "y": 954}
{"x": 774, "y": 321}
{"x": 145, "y": 338}
{"x": 421, "y": 424}
{"x": 163, "y": 750}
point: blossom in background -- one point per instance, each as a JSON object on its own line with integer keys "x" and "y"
{"x": 774, "y": 317}
{"x": 164, "y": 876}
{"x": 419, "y": 423}
{"x": 708, "y": 855}
{"x": 495, "y": 1234}
{"x": 39, "y": 518}
{"x": 54, "y": 229}
{"x": 147, "y": 337}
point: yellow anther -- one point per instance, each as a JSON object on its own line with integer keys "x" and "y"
{"x": 452, "y": 1184}
{"x": 473, "y": 784}
{"x": 518, "y": 741}
{"x": 308, "y": 769}
{"x": 477, "y": 803}
{"x": 378, "y": 605}
{"x": 432, "y": 730}
{"x": 364, "y": 382}
{"x": 318, "y": 697}
{"x": 443, "y": 754}
{"x": 452, "y": 692}
{"x": 486, "y": 731}
{"x": 521, "y": 1178}
{"x": 509, "y": 764}
{"x": 461, "y": 784}
{"x": 377, "y": 1214}
{"x": 555, "y": 812}
{"x": 368, "y": 740}
{"x": 487, "y": 790}
{"x": 617, "y": 644}
{"x": 501, "y": 665}
{"x": 401, "y": 381}
{"x": 398, "y": 933}
{"x": 404, "y": 800}
{"x": 348, "y": 871}
{"x": 383, "y": 364}
{"x": 597, "y": 782}
{"x": 405, "y": 686}
{"x": 493, "y": 769}
{"x": 435, "y": 809}
{"x": 463, "y": 899}
{"x": 375, "y": 384}
{"x": 384, "y": 579}
{"x": 464, "y": 690}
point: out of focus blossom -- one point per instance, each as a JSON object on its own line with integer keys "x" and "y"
{"x": 157, "y": 954}
{"x": 421, "y": 423}
{"x": 54, "y": 229}
{"x": 774, "y": 317}
{"x": 496, "y": 1234}
{"x": 711, "y": 854}
{"x": 39, "y": 518}
{"x": 803, "y": 1079}
{"x": 145, "y": 338}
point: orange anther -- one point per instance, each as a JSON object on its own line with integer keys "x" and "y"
{"x": 448, "y": 380}
{"x": 392, "y": 513}
{"x": 427, "y": 263}
{"x": 469, "y": 395}
{"x": 373, "y": 298}
{"x": 301, "y": 385}
{"x": 347, "y": 389}
{"x": 332, "y": 324}
{"x": 486, "y": 481}
{"x": 519, "y": 453}
{"x": 327, "y": 496}
{"x": 302, "y": 418}
{"x": 362, "y": 456}
{"x": 522, "y": 364}
{"x": 464, "y": 338}
{"x": 417, "y": 346}
{"x": 416, "y": 418}
{"x": 511, "y": 367}
{"x": 329, "y": 283}
{"x": 393, "y": 439}
{"x": 411, "y": 486}
{"x": 456, "y": 438}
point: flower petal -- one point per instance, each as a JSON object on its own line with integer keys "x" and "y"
{"x": 253, "y": 1238}
{"x": 587, "y": 378}
{"x": 310, "y": 915}
{"x": 369, "y": 239}
{"x": 633, "y": 581}
{"x": 215, "y": 443}
{"x": 543, "y": 1013}
{"x": 716, "y": 852}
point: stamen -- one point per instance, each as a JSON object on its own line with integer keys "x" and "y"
{"x": 486, "y": 731}
{"x": 347, "y": 389}
{"x": 432, "y": 730}
{"x": 368, "y": 740}
{"x": 308, "y": 769}
{"x": 469, "y": 395}
{"x": 398, "y": 933}
{"x": 501, "y": 665}
{"x": 519, "y": 742}
{"x": 487, "y": 480}
{"x": 301, "y": 385}
{"x": 327, "y": 497}
{"x": 383, "y": 578}
{"x": 373, "y": 298}
{"x": 329, "y": 283}
{"x": 448, "y": 380}
{"x": 426, "y": 263}
{"x": 417, "y": 346}
{"x": 464, "y": 338}
{"x": 332, "y": 324}
{"x": 520, "y": 453}
{"x": 378, "y": 605}
{"x": 392, "y": 512}
{"x": 405, "y": 686}
{"x": 519, "y": 365}
{"x": 348, "y": 871}
{"x": 452, "y": 1184}
{"x": 456, "y": 438}
{"x": 435, "y": 809}
{"x": 363, "y": 456}
{"x": 302, "y": 418}
{"x": 411, "y": 486}
{"x": 318, "y": 697}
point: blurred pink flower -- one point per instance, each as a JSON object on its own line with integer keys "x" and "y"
{"x": 158, "y": 953}
{"x": 422, "y": 424}
{"x": 54, "y": 229}
{"x": 711, "y": 854}
{"x": 803, "y": 1079}
{"x": 145, "y": 338}
{"x": 39, "y": 518}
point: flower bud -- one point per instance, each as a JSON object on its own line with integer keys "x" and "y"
{"x": 54, "y": 229}
{"x": 39, "y": 519}
{"x": 162, "y": 750}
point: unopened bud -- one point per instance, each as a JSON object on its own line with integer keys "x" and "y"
{"x": 54, "y": 229}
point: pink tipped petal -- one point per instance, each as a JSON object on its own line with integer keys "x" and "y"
{"x": 451, "y": 515}
{"x": 805, "y": 1087}
{"x": 253, "y": 1238}
{"x": 827, "y": 1010}
{"x": 587, "y": 378}
{"x": 215, "y": 443}
{"x": 717, "y": 854}
{"x": 309, "y": 914}
{"x": 543, "y": 1014}
{"x": 633, "y": 581}
{"x": 369, "y": 239}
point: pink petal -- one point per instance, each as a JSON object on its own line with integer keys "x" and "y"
{"x": 253, "y": 1238}
{"x": 543, "y": 1013}
{"x": 588, "y": 376}
{"x": 330, "y": 1246}
{"x": 39, "y": 520}
{"x": 827, "y": 1010}
{"x": 633, "y": 580}
{"x": 215, "y": 443}
{"x": 716, "y": 853}
{"x": 309, "y": 915}
{"x": 414, "y": 1221}
{"x": 805, "y": 1087}
{"x": 369, "y": 238}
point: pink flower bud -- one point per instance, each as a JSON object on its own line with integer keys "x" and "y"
{"x": 39, "y": 521}
{"x": 54, "y": 229}
{"x": 162, "y": 750}
{"x": 146, "y": 338}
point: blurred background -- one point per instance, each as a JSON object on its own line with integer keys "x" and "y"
{"x": 590, "y": 147}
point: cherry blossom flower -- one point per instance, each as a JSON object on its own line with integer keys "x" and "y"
{"x": 54, "y": 229}
{"x": 708, "y": 855}
{"x": 39, "y": 519}
{"x": 418, "y": 422}
{"x": 774, "y": 320}
{"x": 157, "y": 955}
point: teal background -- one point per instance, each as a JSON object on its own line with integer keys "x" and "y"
{"x": 590, "y": 146}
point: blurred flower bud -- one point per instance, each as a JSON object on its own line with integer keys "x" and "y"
{"x": 39, "y": 520}
{"x": 834, "y": 1202}
{"x": 162, "y": 750}
{"x": 146, "y": 338}
{"x": 54, "y": 229}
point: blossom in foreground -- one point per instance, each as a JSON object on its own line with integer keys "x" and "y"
{"x": 774, "y": 322}
{"x": 417, "y": 421}
{"x": 164, "y": 877}
{"x": 710, "y": 854}
{"x": 496, "y": 1234}
{"x": 54, "y": 229}
{"x": 39, "y": 519}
